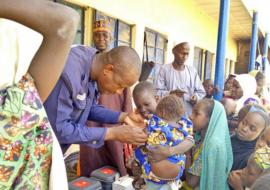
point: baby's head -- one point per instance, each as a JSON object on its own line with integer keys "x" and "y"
{"x": 251, "y": 172}
{"x": 252, "y": 124}
{"x": 232, "y": 88}
{"x": 145, "y": 98}
{"x": 229, "y": 105}
{"x": 170, "y": 108}
{"x": 229, "y": 82}
{"x": 257, "y": 164}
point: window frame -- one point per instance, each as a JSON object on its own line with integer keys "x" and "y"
{"x": 155, "y": 47}
{"x": 203, "y": 65}
{"x": 208, "y": 66}
{"x": 82, "y": 17}
{"x": 199, "y": 65}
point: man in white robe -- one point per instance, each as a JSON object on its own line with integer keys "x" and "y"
{"x": 180, "y": 78}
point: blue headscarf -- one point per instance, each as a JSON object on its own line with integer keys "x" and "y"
{"x": 217, "y": 157}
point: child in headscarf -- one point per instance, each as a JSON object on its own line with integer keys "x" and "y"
{"x": 257, "y": 164}
{"x": 249, "y": 129}
{"x": 212, "y": 158}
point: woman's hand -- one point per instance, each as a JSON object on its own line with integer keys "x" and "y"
{"x": 159, "y": 153}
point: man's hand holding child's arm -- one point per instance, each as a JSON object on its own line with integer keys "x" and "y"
{"x": 126, "y": 134}
{"x": 133, "y": 119}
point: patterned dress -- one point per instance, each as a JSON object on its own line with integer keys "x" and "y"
{"x": 161, "y": 133}
{"x": 196, "y": 167}
{"x": 25, "y": 138}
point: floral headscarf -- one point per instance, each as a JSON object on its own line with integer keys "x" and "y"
{"x": 262, "y": 157}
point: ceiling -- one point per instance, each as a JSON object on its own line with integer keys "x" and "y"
{"x": 240, "y": 22}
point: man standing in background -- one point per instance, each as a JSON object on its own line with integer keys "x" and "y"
{"x": 180, "y": 78}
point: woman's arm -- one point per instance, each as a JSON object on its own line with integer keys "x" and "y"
{"x": 57, "y": 24}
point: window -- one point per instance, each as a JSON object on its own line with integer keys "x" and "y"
{"x": 121, "y": 31}
{"x": 156, "y": 47}
{"x": 208, "y": 65}
{"x": 203, "y": 62}
{"x": 232, "y": 67}
{"x": 79, "y": 38}
{"x": 229, "y": 67}
{"x": 226, "y": 68}
{"x": 198, "y": 60}
{"x": 154, "y": 50}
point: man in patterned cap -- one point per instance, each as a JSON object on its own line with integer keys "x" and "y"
{"x": 111, "y": 153}
{"x": 102, "y": 35}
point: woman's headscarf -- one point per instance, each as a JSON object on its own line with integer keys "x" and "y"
{"x": 249, "y": 86}
{"x": 217, "y": 156}
{"x": 262, "y": 157}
